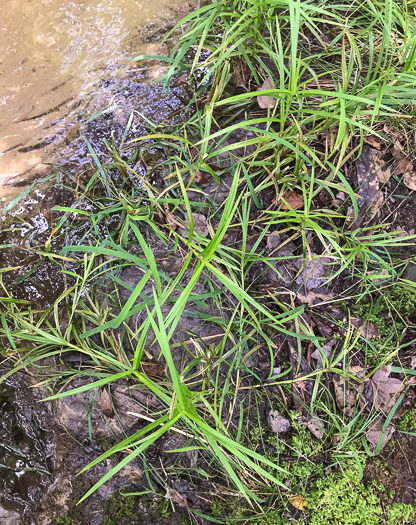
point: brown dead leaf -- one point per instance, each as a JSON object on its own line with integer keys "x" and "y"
{"x": 202, "y": 177}
{"x": 106, "y": 405}
{"x": 153, "y": 368}
{"x": 383, "y": 387}
{"x": 366, "y": 329}
{"x": 316, "y": 426}
{"x": 175, "y": 496}
{"x": 294, "y": 200}
{"x": 348, "y": 390}
{"x": 373, "y": 436}
{"x": 277, "y": 423}
{"x": 370, "y": 197}
{"x": 299, "y": 502}
{"x": 371, "y": 141}
{"x": 383, "y": 171}
{"x": 311, "y": 297}
{"x": 263, "y": 100}
{"x": 409, "y": 178}
{"x": 200, "y": 224}
{"x": 171, "y": 220}
{"x": 404, "y": 166}
{"x": 242, "y": 73}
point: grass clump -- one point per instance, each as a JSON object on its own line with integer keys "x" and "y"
{"x": 337, "y": 73}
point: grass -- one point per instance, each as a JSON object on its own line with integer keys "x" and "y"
{"x": 342, "y": 72}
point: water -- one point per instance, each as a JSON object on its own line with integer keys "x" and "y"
{"x": 54, "y": 57}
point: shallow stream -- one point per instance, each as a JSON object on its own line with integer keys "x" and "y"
{"x": 60, "y": 60}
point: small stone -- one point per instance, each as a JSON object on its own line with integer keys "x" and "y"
{"x": 278, "y": 423}
{"x": 313, "y": 273}
{"x": 410, "y": 272}
{"x": 273, "y": 241}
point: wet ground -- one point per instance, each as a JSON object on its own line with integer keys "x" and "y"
{"x": 61, "y": 63}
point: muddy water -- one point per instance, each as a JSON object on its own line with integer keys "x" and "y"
{"x": 54, "y": 57}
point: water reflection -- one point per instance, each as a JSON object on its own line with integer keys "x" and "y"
{"x": 53, "y": 56}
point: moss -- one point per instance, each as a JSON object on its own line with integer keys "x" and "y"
{"x": 274, "y": 518}
{"x": 399, "y": 301}
{"x": 119, "y": 507}
{"x": 344, "y": 500}
{"x": 67, "y": 520}
{"x": 158, "y": 506}
{"x": 400, "y": 514}
{"x": 408, "y": 421}
{"x": 232, "y": 507}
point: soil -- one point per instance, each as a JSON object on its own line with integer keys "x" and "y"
{"x": 396, "y": 470}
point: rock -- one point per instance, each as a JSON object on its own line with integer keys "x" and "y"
{"x": 9, "y": 517}
{"x": 313, "y": 273}
{"x": 273, "y": 241}
{"x": 278, "y": 423}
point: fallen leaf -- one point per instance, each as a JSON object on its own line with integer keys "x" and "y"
{"x": 409, "y": 178}
{"x": 292, "y": 198}
{"x": 278, "y": 423}
{"x": 316, "y": 427}
{"x": 311, "y": 297}
{"x": 153, "y": 368}
{"x": 373, "y": 436}
{"x": 299, "y": 502}
{"x": 366, "y": 328}
{"x": 200, "y": 224}
{"x": 242, "y": 73}
{"x": 370, "y": 197}
{"x": 106, "y": 405}
{"x": 371, "y": 141}
{"x": 265, "y": 101}
{"x": 383, "y": 171}
{"x": 202, "y": 177}
{"x": 410, "y": 272}
{"x": 383, "y": 387}
{"x": 327, "y": 350}
{"x": 404, "y": 166}
{"x": 273, "y": 241}
{"x": 174, "y": 494}
{"x": 302, "y": 388}
{"x": 312, "y": 272}
{"x": 171, "y": 220}
{"x": 348, "y": 389}
{"x": 215, "y": 167}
